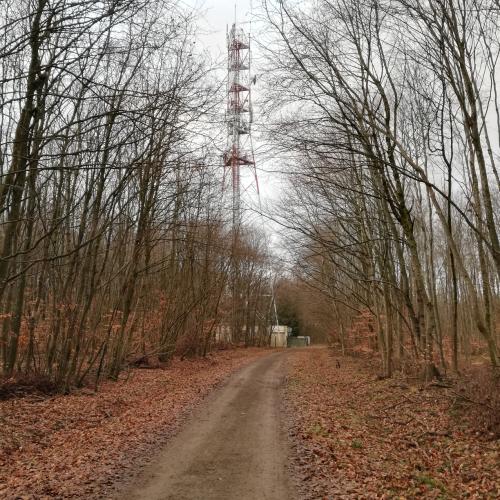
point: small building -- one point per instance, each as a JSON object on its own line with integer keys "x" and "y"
{"x": 279, "y": 335}
{"x": 301, "y": 341}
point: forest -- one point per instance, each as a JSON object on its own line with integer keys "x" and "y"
{"x": 130, "y": 290}
{"x": 116, "y": 244}
{"x": 387, "y": 114}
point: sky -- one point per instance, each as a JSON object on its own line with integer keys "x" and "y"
{"x": 217, "y": 15}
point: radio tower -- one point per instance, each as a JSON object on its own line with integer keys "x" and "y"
{"x": 239, "y": 115}
{"x": 239, "y": 153}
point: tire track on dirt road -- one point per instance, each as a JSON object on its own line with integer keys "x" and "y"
{"x": 233, "y": 447}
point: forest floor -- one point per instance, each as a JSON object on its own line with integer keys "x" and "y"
{"x": 82, "y": 444}
{"x": 356, "y": 436}
{"x": 352, "y": 434}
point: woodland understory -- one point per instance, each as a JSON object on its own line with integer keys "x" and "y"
{"x": 356, "y": 435}
{"x": 353, "y": 433}
{"x": 88, "y": 444}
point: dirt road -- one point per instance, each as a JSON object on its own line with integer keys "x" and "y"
{"x": 233, "y": 447}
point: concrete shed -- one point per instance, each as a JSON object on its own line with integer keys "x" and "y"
{"x": 279, "y": 335}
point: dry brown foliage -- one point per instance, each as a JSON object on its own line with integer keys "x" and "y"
{"x": 79, "y": 445}
{"x": 356, "y": 436}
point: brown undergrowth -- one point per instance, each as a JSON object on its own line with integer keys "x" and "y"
{"x": 79, "y": 445}
{"x": 356, "y": 436}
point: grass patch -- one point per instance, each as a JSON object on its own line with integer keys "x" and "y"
{"x": 318, "y": 430}
{"x": 431, "y": 482}
{"x": 357, "y": 444}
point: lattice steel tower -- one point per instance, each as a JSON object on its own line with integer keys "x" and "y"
{"x": 239, "y": 114}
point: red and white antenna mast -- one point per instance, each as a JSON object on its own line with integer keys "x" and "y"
{"x": 239, "y": 115}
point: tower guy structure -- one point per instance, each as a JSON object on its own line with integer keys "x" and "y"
{"x": 239, "y": 115}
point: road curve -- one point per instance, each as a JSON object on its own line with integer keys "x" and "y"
{"x": 233, "y": 447}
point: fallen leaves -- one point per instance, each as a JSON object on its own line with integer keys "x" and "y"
{"x": 355, "y": 436}
{"x": 82, "y": 444}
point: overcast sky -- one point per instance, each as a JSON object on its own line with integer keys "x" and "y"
{"x": 217, "y": 14}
